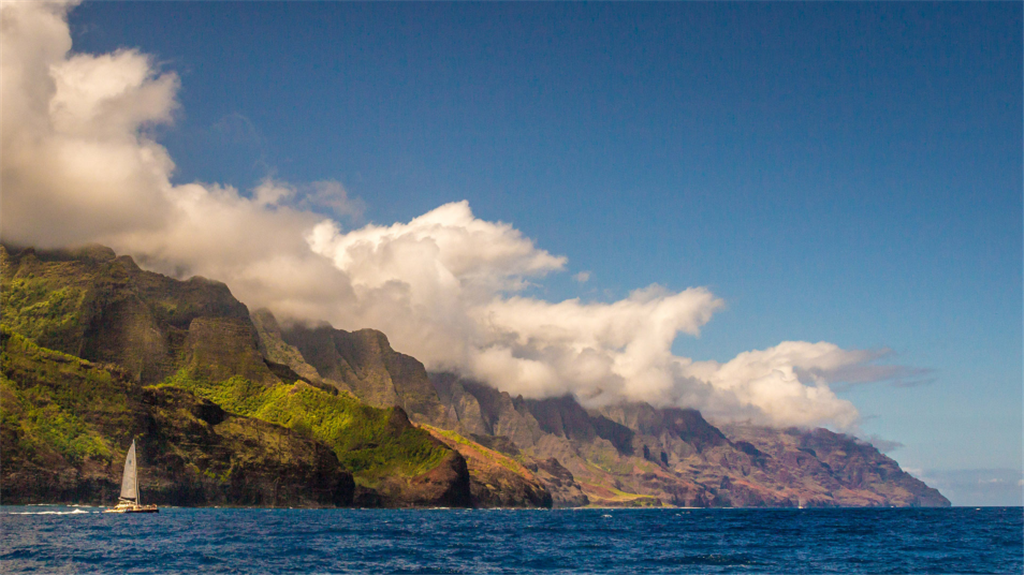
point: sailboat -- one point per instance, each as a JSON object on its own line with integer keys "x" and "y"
{"x": 129, "y": 501}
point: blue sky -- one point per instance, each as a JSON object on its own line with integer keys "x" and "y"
{"x": 849, "y": 173}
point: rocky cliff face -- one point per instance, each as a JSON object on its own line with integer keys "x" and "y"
{"x": 247, "y": 412}
{"x": 67, "y": 423}
{"x": 559, "y": 482}
{"x": 91, "y": 304}
{"x": 637, "y": 455}
{"x": 361, "y": 362}
{"x": 832, "y": 468}
{"x": 193, "y": 336}
{"x": 496, "y": 480}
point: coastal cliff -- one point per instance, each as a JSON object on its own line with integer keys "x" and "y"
{"x": 184, "y": 342}
{"x": 638, "y": 455}
{"x": 232, "y": 408}
{"x": 66, "y": 424}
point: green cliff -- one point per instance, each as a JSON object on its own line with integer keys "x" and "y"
{"x": 65, "y": 424}
{"x": 361, "y": 362}
{"x": 189, "y": 343}
{"x": 233, "y": 408}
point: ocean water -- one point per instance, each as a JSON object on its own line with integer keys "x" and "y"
{"x": 52, "y": 539}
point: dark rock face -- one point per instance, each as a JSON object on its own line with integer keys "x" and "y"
{"x": 248, "y": 462}
{"x": 447, "y": 485}
{"x": 251, "y": 479}
{"x": 496, "y": 480}
{"x": 635, "y": 454}
{"x": 364, "y": 364}
{"x": 565, "y": 492}
{"x": 565, "y": 417}
{"x": 191, "y": 451}
{"x": 102, "y": 308}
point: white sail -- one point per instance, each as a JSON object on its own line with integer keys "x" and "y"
{"x": 129, "y": 485}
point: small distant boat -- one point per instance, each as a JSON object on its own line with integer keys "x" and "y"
{"x": 129, "y": 501}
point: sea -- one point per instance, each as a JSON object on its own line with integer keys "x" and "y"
{"x": 59, "y": 539}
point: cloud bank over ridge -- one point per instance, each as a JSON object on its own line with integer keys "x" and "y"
{"x": 80, "y": 166}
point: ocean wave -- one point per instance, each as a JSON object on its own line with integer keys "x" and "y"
{"x": 72, "y": 512}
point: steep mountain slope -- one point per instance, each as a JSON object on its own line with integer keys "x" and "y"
{"x": 236, "y": 409}
{"x": 496, "y": 480}
{"x": 194, "y": 336}
{"x": 92, "y": 304}
{"x": 66, "y": 423}
{"x": 636, "y": 454}
{"x": 361, "y": 362}
{"x": 843, "y": 468}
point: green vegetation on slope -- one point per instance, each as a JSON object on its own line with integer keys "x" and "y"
{"x": 371, "y": 443}
{"x": 143, "y": 328}
{"x": 65, "y": 424}
{"x": 488, "y": 455}
{"x": 41, "y": 312}
{"x": 42, "y": 302}
{"x": 42, "y": 412}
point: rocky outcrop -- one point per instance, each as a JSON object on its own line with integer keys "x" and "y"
{"x": 496, "y": 480}
{"x": 246, "y": 461}
{"x": 638, "y": 455}
{"x": 275, "y": 349}
{"x": 565, "y": 492}
{"x": 446, "y": 485}
{"x": 67, "y": 424}
{"x": 91, "y": 304}
{"x": 482, "y": 410}
{"x": 363, "y": 363}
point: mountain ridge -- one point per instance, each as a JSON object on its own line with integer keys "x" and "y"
{"x": 406, "y": 437}
{"x": 635, "y": 454}
{"x": 92, "y": 306}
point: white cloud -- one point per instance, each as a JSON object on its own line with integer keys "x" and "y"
{"x": 76, "y": 163}
{"x": 446, "y": 287}
{"x": 582, "y": 277}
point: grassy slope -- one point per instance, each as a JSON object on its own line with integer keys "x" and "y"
{"x": 43, "y": 419}
{"x": 65, "y": 423}
{"x": 479, "y": 452}
{"x": 46, "y": 299}
{"x": 368, "y": 441}
{"x": 45, "y": 304}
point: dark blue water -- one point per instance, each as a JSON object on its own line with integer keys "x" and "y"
{"x": 82, "y": 540}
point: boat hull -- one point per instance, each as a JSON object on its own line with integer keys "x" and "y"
{"x": 132, "y": 508}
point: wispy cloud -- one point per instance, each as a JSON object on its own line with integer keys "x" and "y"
{"x": 977, "y": 487}
{"x": 883, "y": 445}
{"x": 326, "y": 197}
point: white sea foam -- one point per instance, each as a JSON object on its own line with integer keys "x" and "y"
{"x": 72, "y": 512}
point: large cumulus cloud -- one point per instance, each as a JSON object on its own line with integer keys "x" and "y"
{"x": 80, "y": 166}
